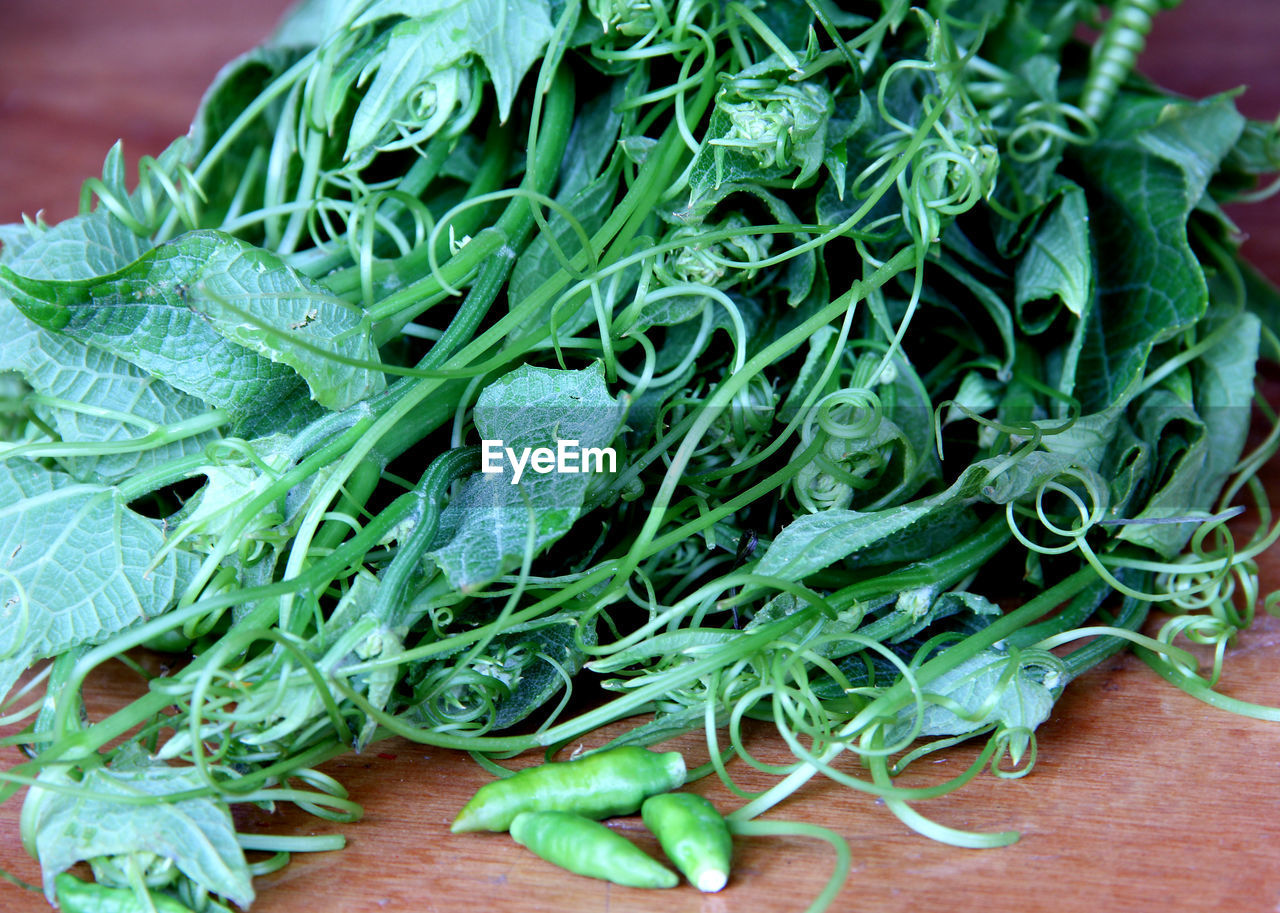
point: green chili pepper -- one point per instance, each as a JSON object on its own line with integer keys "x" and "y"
{"x": 587, "y": 847}
{"x": 612, "y": 782}
{"x": 76, "y": 896}
{"x": 693, "y": 835}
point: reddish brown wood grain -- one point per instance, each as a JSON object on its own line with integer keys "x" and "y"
{"x": 1142, "y": 798}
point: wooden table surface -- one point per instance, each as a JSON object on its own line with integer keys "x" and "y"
{"x": 1142, "y": 798}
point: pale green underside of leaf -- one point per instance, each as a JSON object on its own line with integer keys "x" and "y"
{"x": 486, "y": 528}
{"x": 58, "y": 366}
{"x": 63, "y": 368}
{"x": 1058, "y": 263}
{"x": 1020, "y": 702}
{"x": 216, "y": 317}
{"x": 197, "y": 834}
{"x": 93, "y": 244}
{"x": 75, "y": 566}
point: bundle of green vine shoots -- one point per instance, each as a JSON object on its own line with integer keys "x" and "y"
{"x": 907, "y": 351}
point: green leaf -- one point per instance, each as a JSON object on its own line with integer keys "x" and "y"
{"x": 589, "y": 206}
{"x": 75, "y": 566}
{"x": 526, "y": 665}
{"x": 945, "y": 606}
{"x": 14, "y": 238}
{"x": 218, "y": 318}
{"x": 1028, "y": 187}
{"x": 418, "y": 70}
{"x": 508, "y": 35}
{"x": 1224, "y": 395}
{"x": 1175, "y": 434}
{"x": 308, "y": 23}
{"x": 991, "y": 302}
{"x": 585, "y": 190}
{"x": 979, "y": 692}
{"x": 801, "y": 270}
{"x": 944, "y": 529}
{"x": 977, "y": 394}
{"x": 765, "y": 137}
{"x": 197, "y": 834}
{"x": 594, "y": 136}
{"x": 1261, "y": 296}
{"x": 818, "y": 540}
{"x": 1145, "y": 174}
{"x": 486, "y": 528}
{"x": 1219, "y": 424}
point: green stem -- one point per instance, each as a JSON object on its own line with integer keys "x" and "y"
{"x": 488, "y": 177}
{"x": 355, "y": 494}
{"x": 431, "y": 491}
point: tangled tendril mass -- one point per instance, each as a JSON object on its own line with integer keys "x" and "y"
{"x": 849, "y": 285}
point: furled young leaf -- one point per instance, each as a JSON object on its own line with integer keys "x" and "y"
{"x": 223, "y": 320}
{"x": 508, "y": 35}
{"x": 75, "y": 566}
{"x": 1218, "y": 423}
{"x": 197, "y": 834}
{"x": 485, "y": 530}
{"x": 1058, "y": 264}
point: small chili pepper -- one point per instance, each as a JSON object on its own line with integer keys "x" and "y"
{"x": 612, "y": 782}
{"x": 76, "y": 896}
{"x": 587, "y": 847}
{"x": 693, "y": 835}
